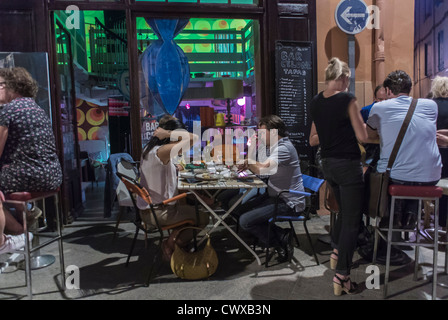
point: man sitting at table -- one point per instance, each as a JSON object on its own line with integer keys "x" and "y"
{"x": 283, "y": 168}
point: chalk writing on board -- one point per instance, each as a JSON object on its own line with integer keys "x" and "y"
{"x": 294, "y": 88}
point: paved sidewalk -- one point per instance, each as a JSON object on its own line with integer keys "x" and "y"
{"x": 90, "y": 245}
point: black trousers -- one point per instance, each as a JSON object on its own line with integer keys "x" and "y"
{"x": 346, "y": 178}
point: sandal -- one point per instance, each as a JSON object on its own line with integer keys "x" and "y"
{"x": 338, "y": 288}
{"x": 333, "y": 261}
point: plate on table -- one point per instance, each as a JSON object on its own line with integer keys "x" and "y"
{"x": 207, "y": 176}
{"x": 187, "y": 175}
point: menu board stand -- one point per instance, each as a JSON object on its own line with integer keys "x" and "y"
{"x": 294, "y": 72}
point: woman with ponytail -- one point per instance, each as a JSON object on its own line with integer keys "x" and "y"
{"x": 158, "y": 174}
{"x": 338, "y": 127}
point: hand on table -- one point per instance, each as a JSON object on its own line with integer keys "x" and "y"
{"x": 243, "y": 166}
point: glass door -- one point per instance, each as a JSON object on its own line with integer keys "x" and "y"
{"x": 71, "y": 198}
{"x": 181, "y": 62}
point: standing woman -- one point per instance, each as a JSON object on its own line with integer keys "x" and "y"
{"x": 337, "y": 127}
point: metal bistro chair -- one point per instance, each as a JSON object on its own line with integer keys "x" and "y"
{"x": 311, "y": 184}
{"x": 135, "y": 189}
{"x": 20, "y": 200}
{"x": 124, "y": 199}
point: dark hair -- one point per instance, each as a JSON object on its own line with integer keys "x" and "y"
{"x": 378, "y": 88}
{"x": 20, "y": 81}
{"x": 398, "y": 82}
{"x": 274, "y": 122}
{"x": 170, "y": 125}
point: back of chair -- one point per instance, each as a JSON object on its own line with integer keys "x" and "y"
{"x": 135, "y": 188}
{"x": 130, "y": 170}
{"x": 312, "y": 183}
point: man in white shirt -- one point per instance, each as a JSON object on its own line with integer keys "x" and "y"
{"x": 418, "y": 161}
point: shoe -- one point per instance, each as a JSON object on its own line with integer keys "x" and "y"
{"x": 290, "y": 244}
{"x": 282, "y": 256}
{"x": 14, "y": 243}
{"x": 339, "y": 288}
{"x": 409, "y": 222}
{"x": 333, "y": 261}
{"x": 33, "y": 215}
{"x": 286, "y": 251}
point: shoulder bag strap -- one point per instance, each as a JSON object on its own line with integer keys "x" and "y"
{"x": 401, "y": 135}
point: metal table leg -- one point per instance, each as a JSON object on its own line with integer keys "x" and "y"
{"x": 221, "y": 221}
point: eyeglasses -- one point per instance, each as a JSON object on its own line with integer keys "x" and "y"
{"x": 2, "y": 85}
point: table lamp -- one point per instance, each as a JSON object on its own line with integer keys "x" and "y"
{"x": 228, "y": 89}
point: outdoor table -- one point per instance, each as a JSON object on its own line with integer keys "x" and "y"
{"x": 218, "y": 186}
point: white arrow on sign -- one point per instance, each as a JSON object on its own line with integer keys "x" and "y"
{"x": 346, "y": 15}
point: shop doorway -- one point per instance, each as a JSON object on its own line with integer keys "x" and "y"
{"x": 99, "y": 116}
{"x": 215, "y": 49}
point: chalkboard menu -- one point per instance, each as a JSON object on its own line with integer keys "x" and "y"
{"x": 294, "y": 73}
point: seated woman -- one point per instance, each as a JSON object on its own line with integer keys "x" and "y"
{"x": 10, "y": 243}
{"x": 28, "y": 159}
{"x": 159, "y": 176}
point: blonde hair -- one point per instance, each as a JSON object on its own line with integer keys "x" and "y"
{"x": 336, "y": 69}
{"x": 439, "y": 87}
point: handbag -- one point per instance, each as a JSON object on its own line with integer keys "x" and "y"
{"x": 200, "y": 264}
{"x": 378, "y": 183}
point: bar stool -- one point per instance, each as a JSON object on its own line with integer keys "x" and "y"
{"x": 443, "y": 183}
{"x": 420, "y": 193}
{"x": 21, "y": 200}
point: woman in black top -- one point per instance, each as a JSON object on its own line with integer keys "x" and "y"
{"x": 337, "y": 127}
{"x": 439, "y": 91}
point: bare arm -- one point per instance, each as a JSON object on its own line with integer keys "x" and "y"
{"x": 261, "y": 168}
{"x": 357, "y": 123}
{"x": 185, "y": 141}
{"x": 3, "y": 138}
{"x": 314, "y": 138}
{"x": 373, "y": 136}
{"x": 442, "y": 138}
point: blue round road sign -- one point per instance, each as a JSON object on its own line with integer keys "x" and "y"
{"x": 352, "y": 16}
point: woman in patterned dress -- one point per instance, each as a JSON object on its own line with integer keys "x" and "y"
{"x": 28, "y": 159}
